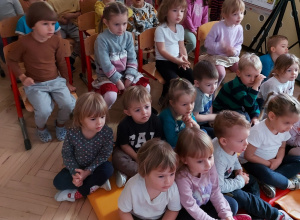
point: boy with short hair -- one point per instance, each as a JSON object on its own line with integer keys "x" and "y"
{"x": 43, "y": 57}
{"x": 206, "y": 82}
{"x": 276, "y": 45}
{"x": 139, "y": 126}
{"x": 240, "y": 94}
{"x": 232, "y": 130}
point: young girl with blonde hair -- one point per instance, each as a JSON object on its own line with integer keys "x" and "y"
{"x": 85, "y": 152}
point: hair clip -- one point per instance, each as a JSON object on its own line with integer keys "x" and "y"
{"x": 179, "y": 78}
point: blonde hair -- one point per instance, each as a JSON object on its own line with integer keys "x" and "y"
{"x": 283, "y": 62}
{"x": 205, "y": 70}
{"x": 166, "y": 5}
{"x": 282, "y": 105}
{"x": 135, "y": 94}
{"x": 226, "y": 119}
{"x": 231, "y": 6}
{"x": 90, "y": 104}
{"x": 274, "y": 40}
{"x": 249, "y": 59}
{"x": 193, "y": 142}
{"x": 155, "y": 154}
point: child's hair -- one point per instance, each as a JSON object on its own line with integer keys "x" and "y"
{"x": 111, "y": 9}
{"x": 249, "y": 59}
{"x": 179, "y": 87}
{"x": 274, "y": 40}
{"x": 135, "y": 94}
{"x": 193, "y": 142}
{"x": 166, "y": 5}
{"x": 90, "y": 104}
{"x": 283, "y": 62}
{"x": 205, "y": 70}
{"x": 40, "y": 11}
{"x": 282, "y": 104}
{"x": 230, "y": 6}
{"x": 227, "y": 119}
{"x": 155, "y": 154}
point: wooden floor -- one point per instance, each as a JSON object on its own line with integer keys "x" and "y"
{"x": 26, "y": 189}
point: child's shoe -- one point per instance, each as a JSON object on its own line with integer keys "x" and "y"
{"x": 295, "y": 181}
{"x": 120, "y": 179}
{"x": 106, "y": 186}
{"x": 282, "y": 215}
{"x": 61, "y": 132}
{"x": 44, "y": 135}
{"x": 242, "y": 217}
{"x": 269, "y": 190}
{"x": 65, "y": 195}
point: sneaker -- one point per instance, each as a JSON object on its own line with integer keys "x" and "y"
{"x": 44, "y": 135}
{"x": 65, "y": 195}
{"x": 94, "y": 188}
{"x": 120, "y": 179}
{"x": 106, "y": 186}
{"x": 242, "y": 217}
{"x": 269, "y": 190}
{"x": 282, "y": 215}
{"x": 60, "y": 132}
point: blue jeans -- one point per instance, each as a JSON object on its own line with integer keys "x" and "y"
{"x": 289, "y": 167}
{"x": 190, "y": 40}
{"x": 63, "y": 180}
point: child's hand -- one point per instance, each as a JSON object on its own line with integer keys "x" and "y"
{"x": 182, "y": 61}
{"x": 258, "y": 80}
{"x": 187, "y": 119}
{"x": 230, "y": 51}
{"x": 229, "y": 218}
{"x": 127, "y": 83}
{"x": 275, "y": 163}
{"x": 70, "y": 87}
{"x": 27, "y": 81}
{"x": 77, "y": 180}
{"x": 254, "y": 121}
{"x": 245, "y": 177}
{"x": 82, "y": 173}
{"x": 120, "y": 85}
{"x": 62, "y": 20}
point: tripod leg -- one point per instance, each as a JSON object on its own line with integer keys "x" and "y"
{"x": 279, "y": 20}
{"x": 296, "y": 20}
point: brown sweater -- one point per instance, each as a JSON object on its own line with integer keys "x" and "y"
{"x": 42, "y": 60}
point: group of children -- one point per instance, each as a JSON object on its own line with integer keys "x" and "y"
{"x": 210, "y": 182}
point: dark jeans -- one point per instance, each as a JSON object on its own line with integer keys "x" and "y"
{"x": 245, "y": 114}
{"x": 209, "y": 209}
{"x": 289, "y": 167}
{"x": 169, "y": 70}
{"x": 209, "y": 130}
{"x": 63, "y": 179}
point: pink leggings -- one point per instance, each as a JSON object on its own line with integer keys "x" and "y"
{"x": 222, "y": 71}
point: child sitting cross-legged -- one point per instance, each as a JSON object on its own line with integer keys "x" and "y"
{"x": 139, "y": 126}
{"x": 232, "y": 130}
{"x": 152, "y": 193}
{"x": 240, "y": 94}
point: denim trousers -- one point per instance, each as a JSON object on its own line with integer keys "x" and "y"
{"x": 63, "y": 180}
{"x": 289, "y": 167}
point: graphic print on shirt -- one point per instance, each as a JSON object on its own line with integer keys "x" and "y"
{"x": 137, "y": 142}
{"x": 202, "y": 196}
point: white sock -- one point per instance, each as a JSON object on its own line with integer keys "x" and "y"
{"x": 291, "y": 185}
{"x": 94, "y": 188}
{"x": 110, "y": 98}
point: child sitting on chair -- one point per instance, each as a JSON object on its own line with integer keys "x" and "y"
{"x": 43, "y": 57}
{"x": 152, "y": 193}
{"x": 139, "y": 126}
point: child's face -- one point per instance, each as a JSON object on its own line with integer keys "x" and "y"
{"x": 117, "y": 24}
{"x": 198, "y": 166}
{"x": 282, "y": 124}
{"x": 234, "y": 18}
{"x": 248, "y": 75}
{"x": 175, "y": 15}
{"x": 93, "y": 125}
{"x": 206, "y": 85}
{"x": 43, "y": 30}
{"x": 235, "y": 140}
{"x": 159, "y": 181}
{"x": 140, "y": 112}
{"x": 108, "y": 1}
{"x": 291, "y": 73}
{"x": 138, "y": 3}
{"x": 281, "y": 48}
{"x": 184, "y": 105}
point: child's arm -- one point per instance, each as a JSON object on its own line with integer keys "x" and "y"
{"x": 168, "y": 124}
{"x": 170, "y": 215}
{"x": 275, "y": 163}
{"x": 71, "y": 15}
{"x": 239, "y": 40}
{"x": 128, "y": 150}
{"x": 204, "y": 118}
{"x": 18, "y": 7}
{"x": 125, "y": 215}
{"x": 131, "y": 64}
{"x": 190, "y": 121}
{"x": 251, "y": 157}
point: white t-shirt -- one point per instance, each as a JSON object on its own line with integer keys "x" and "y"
{"x": 265, "y": 141}
{"x": 273, "y": 85}
{"x": 164, "y": 34}
{"x": 135, "y": 199}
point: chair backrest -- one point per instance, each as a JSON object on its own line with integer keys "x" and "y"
{"x": 87, "y": 6}
{"x": 86, "y": 21}
{"x": 8, "y": 26}
{"x": 89, "y": 44}
{"x": 25, "y": 5}
{"x": 146, "y": 39}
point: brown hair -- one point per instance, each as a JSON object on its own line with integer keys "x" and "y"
{"x": 89, "y": 104}
{"x": 166, "y": 5}
{"x": 230, "y": 6}
{"x": 227, "y": 119}
{"x": 40, "y": 11}
{"x": 135, "y": 94}
{"x": 283, "y": 62}
{"x": 112, "y": 8}
{"x": 193, "y": 142}
{"x": 155, "y": 154}
{"x": 249, "y": 59}
{"x": 205, "y": 70}
{"x": 274, "y": 40}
